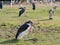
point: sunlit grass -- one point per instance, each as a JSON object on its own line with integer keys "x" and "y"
{"x": 49, "y": 30}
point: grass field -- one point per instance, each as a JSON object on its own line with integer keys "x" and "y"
{"x": 49, "y": 30}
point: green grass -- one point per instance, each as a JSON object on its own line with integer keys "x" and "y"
{"x": 49, "y": 30}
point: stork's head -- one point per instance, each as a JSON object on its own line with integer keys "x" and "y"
{"x": 29, "y": 22}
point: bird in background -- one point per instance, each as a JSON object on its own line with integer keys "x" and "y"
{"x": 33, "y": 6}
{"x": 22, "y": 10}
{"x": 52, "y": 11}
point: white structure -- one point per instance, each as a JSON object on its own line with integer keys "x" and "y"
{"x": 12, "y": 2}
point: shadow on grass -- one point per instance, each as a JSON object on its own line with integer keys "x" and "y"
{"x": 33, "y": 39}
{"x": 44, "y": 20}
{"x": 9, "y": 41}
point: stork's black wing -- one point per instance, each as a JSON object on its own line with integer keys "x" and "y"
{"x": 21, "y": 29}
{"x": 21, "y": 12}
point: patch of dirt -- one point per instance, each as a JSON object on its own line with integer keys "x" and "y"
{"x": 8, "y": 32}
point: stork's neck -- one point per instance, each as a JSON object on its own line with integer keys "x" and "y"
{"x": 28, "y": 24}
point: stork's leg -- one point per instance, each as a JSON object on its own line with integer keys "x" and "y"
{"x": 25, "y": 37}
{"x": 50, "y": 16}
